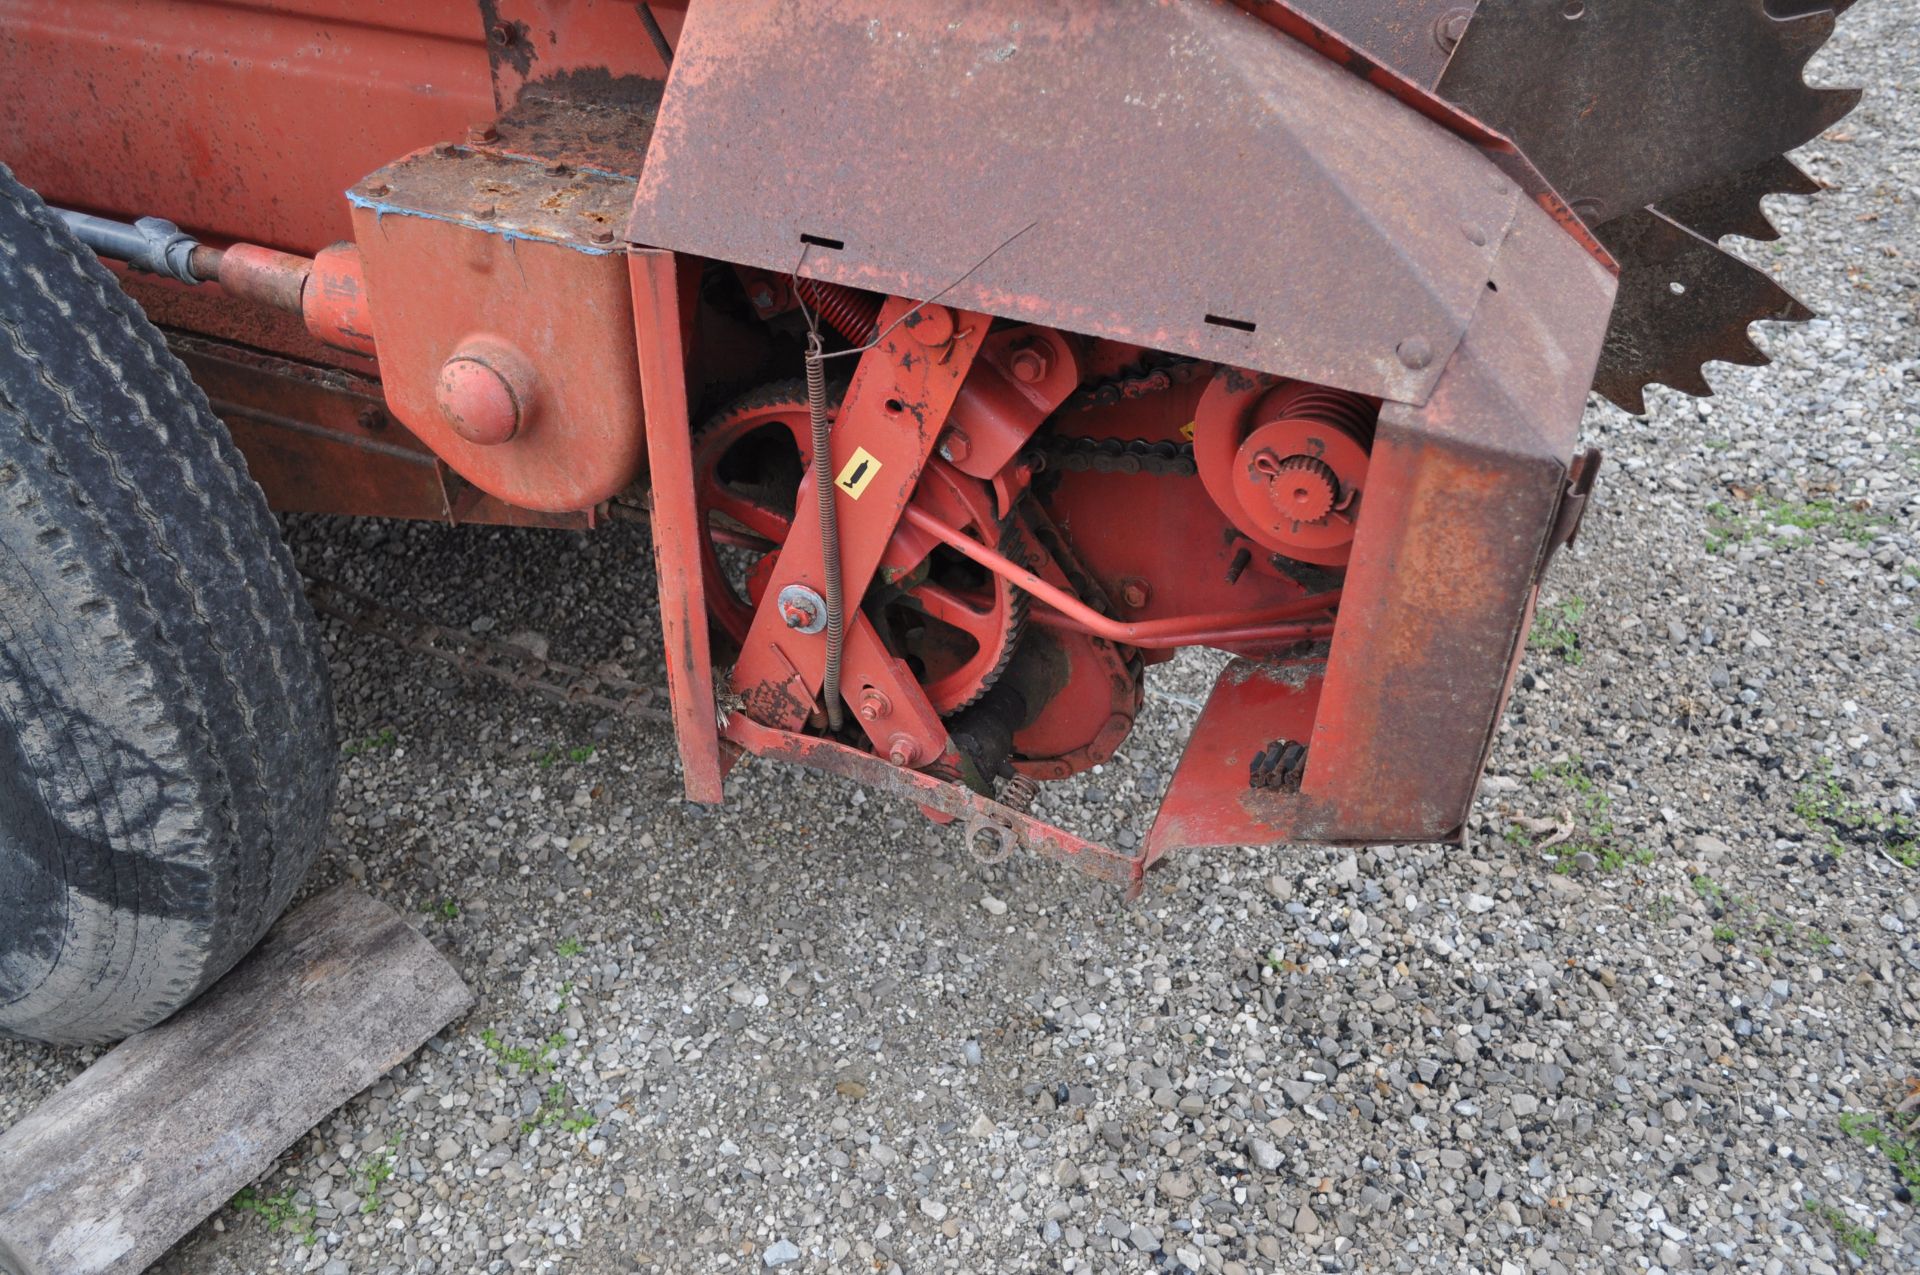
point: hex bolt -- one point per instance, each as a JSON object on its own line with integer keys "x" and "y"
{"x": 483, "y": 133}
{"x": 1134, "y": 593}
{"x": 1032, "y": 360}
{"x": 797, "y": 615}
{"x": 378, "y": 190}
{"x": 900, "y": 751}
{"x": 1451, "y": 27}
{"x": 955, "y": 446}
{"x": 603, "y": 236}
{"x": 873, "y": 705}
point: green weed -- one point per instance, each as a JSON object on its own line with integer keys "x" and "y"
{"x": 537, "y": 1061}
{"x": 1596, "y": 836}
{"x": 1901, "y": 1149}
{"x": 379, "y": 741}
{"x": 1854, "y": 521}
{"x": 279, "y": 1211}
{"x": 375, "y": 1173}
{"x": 569, "y": 948}
{"x": 1556, "y": 629}
{"x": 445, "y": 909}
{"x": 1857, "y": 1240}
{"x": 1825, "y": 807}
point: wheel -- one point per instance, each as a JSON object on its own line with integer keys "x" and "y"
{"x": 166, "y": 729}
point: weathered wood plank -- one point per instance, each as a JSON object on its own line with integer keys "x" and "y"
{"x": 110, "y": 1172}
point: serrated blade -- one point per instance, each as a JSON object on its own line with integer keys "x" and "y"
{"x": 1662, "y": 334}
{"x": 1731, "y": 205}
{"x": 1625, "y": 103}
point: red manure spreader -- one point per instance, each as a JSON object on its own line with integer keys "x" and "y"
{"x": 966, "y": 357}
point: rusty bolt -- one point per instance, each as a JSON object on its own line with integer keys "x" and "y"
{"x": 1451, "y": 26}
{"x": 378, "y": 190}
{"x": 801, "y": 609}
{"x": 1415, "y": 352}
{"x": 1134, "y": 593}
{"x": 501, "y": 34}
{"x": 1031, "y": 361}
{"x": 484, "y": 211}
{"x": 900, "y": 751}
{"x": 373, "y": 419}
{"x": 955, "y": 446}
{"x": 445, "y": 150}
{"x": 874, "y": 705}
{"x": 483, "y": 133}
{"x": 603, "y": 236}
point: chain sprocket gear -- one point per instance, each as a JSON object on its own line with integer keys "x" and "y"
{"x": 955, "y": 624}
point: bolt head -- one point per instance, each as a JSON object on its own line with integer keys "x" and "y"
{"x": 1414, "y": 352}
{"x": 1134, "y": 593}
{"x": 761, "y": 294}
{"x": 955, "y": 446}
{"x": 1452, "y": 27}
{"x": 1031, "y": 363}
{"x": 798, "y": 615}
{"x": 900, "y": 751}
{"x": 483, "y": 133}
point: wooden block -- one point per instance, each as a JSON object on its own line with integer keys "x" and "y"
{"x": 110, "y": 1172}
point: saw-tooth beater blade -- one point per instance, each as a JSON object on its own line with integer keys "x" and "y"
{"x": 1731, "y": 205}
{"x": 1682, "y": 303}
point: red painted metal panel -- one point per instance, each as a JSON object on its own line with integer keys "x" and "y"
{"x": 487, "y": 265}
{"x": 663, "y": 294}
{"x": 238, "y": 121}
{"x": 1462, "y": 497}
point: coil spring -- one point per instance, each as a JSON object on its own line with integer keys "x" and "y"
{"x": 1019, "y": 792}
{"x": 1337, "y": 408}
{"x": 852, "y": 313}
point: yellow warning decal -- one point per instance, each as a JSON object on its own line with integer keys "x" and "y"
{"x": 1186, "y": 431}
{"x": 857, "y": 473}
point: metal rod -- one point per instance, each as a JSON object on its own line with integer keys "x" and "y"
{"x": 152, "y": 244}
{"x": 1172, "y": 631}
{"x": 829, "y": 523}
{"x": 1281, "y": 631}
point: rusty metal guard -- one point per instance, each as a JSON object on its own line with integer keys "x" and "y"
{"x": 1199, "y": 182}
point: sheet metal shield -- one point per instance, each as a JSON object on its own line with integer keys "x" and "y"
{"x": 1176, "y": 162}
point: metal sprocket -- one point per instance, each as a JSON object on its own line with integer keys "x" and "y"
{"x": 956, "y": 625}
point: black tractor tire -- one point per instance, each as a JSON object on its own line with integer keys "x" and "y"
{"x": 167, "y": 752}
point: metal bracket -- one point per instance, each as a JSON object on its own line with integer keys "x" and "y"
{"x": 1573, "y": 505}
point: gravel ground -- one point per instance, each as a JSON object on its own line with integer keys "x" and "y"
{"x": 1644, "y": 1022}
